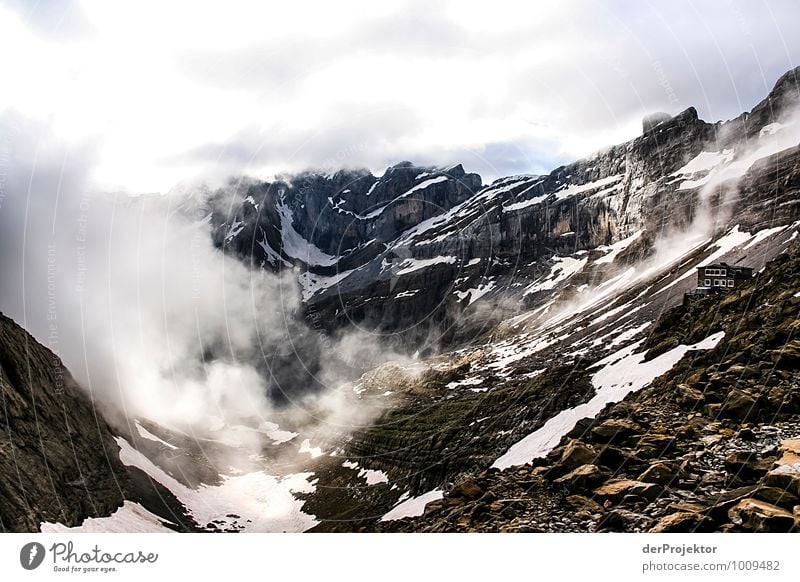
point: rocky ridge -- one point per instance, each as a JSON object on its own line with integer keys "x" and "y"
{"x": 367, "y": 246}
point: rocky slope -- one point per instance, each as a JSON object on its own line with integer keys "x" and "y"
{"x": 710, "y": 446}
{"x": 57, "y": 456}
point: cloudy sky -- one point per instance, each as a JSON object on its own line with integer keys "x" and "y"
{"x": 167, "y": 91}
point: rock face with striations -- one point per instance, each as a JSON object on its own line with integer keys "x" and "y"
{"x": 413, "y": 254}
{"x": 60, "y": 461}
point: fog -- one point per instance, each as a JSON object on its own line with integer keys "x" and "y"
{"x": 150, "y": 318}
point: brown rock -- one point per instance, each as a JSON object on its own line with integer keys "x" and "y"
{"x": 760, "y": 516}
{"x": 660, "y": 473}
{"x": 623, "y": 520}
{"x": 615, "y": 430}
{"x": 581, "y": 502}
{"x": 739, "y": 405}
{"x": 655, "y": 444}
{"x": 688, "y": 396}
{"x": 616, "y": 489}
{"x": 791, "y": 452}
{"x": 467, "y": 489}
{"x": 744, "y": 371}
{"x": 576, "y": 454}
{"x": 616, "y": 459}
{"x": 747, "y": 465}
{"x": 584, "y": 477}
{"x": 776, "y": 496}
{"x": 786, "y": 477}
{"x": 680, "y": 522}
{"x": 690, "y": 506}
{"x": 722, "y": 502}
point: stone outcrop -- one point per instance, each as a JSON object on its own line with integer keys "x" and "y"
{"x": 59, "y": 461}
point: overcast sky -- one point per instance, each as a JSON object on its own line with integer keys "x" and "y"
{"x": 166, "y": 91}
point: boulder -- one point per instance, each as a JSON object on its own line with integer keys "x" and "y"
{"x": 622, "y": 520}
{"x": 790, "y": 449}
{"x": 777, "y": 496}
{"x": 584, "y": 477}
{"x": 617, "y": 459}
{"x": 689, "y": 397}
{"x": 687, "y": 506}
{"x": 747, "y": 465}
{"x": 681, "y": 522}
{"x": 739, "y": 405}
{"x": 786, "y": 477}
{"x": 615, "y": 489}
{"x": 655, "y": 444}
{"x": 760, "y": 516}
{"x": 660, "y": 473}
{"x": 745, "y": 371}
{"x": 786, "y": 474}
{"x": 581, "y": 502}
{"x": 615, "y": 430}
{"x": 467, "y": 489}
{"x": 576, "y": 454}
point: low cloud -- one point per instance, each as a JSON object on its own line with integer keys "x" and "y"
{"x": 151, "y": 319}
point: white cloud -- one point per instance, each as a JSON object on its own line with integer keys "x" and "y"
{"x": 181, "y": 89}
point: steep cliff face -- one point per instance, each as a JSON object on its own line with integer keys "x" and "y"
{"x": 58, "y": 458}
{"x": 413, "y": 254}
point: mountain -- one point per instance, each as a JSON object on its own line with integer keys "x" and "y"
{"x": 556, "y": 378}
{"x": 412, "y": 255}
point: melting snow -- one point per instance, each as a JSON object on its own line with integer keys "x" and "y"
{"x": 762, "y": 234}
{"x": 313, "y": 284}
{"x": 411, "y": 265}
{"x": 564, "y": 268}
{"x": 465, "y": 382}
{"x": 272, "y": 256}
{"x": 616, "y": 248}
{"x": 623, "y": 372}
{"x": 413, "y": 507}
{"x": 295, "y": 246}
{"x": 477, "y": 293}
{"x": 144, "y": 433}
{"x": 305, "y": 447}
{"x": 525, "y": 203}
{"x": 572, "y": 190}
{"x": 371, "y": 476}
{"x": 236, "y": 227}
{"x": 130, "y": 518}
{"x": 263, "y": 503}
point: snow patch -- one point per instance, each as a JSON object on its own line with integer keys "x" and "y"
{"x": 572, "y": 190}
{"x": 563, "y": 269}
{"x": 263, "y": 503}
{"x": 411, "y": 265}
{"x": 130, "y": 518}
{"x": 413, "y": 507}
{"x": 616, "y": 248}
{"x": 371, "y": 476}
{"x": 295, "y": 246}
{"x": 623, "y": 372}
{"x": 144, "y": 433}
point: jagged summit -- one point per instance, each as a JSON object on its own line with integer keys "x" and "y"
{"x": 464, "y": 242}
